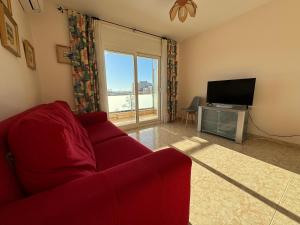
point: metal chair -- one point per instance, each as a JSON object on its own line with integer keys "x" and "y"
{"x": 192, "y": 109}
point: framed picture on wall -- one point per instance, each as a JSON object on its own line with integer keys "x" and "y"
{"x": 62, "y": 54}
{"x": 7, "y": 4}
{"x": 29, "y": 55}
{"x": 9, "y": 32}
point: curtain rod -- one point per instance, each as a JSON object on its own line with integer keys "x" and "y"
{"x": 62, "y": 10}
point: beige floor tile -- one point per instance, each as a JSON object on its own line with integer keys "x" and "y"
{"x": 155, "y": 137}
{"x": 232, "y": 183}
{"x": 214, "y": 201}
{"x": 290, "y": 214}
{"x": 263, "y": 178}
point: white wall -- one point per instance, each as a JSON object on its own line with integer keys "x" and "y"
{"x": 116, "y": 38}
{"x": 265, "y": 44}
{"x": 19, "y": 84}
{"x": 50, "y": 28}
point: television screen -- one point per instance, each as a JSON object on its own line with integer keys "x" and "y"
{"x": 233, "y": 92}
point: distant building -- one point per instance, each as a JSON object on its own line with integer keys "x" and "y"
{"x": 144, "y": 87}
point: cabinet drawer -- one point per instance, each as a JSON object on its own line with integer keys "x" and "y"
{"x": 210, "y": 115}
{"x": 210, "y": 121}
{"x": 209, "y": 126}
{"x": 227, "y": 124}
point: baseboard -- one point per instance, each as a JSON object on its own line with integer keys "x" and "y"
{"x": 286, "y": 143}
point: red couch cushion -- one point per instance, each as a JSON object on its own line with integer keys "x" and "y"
{"x": 50, "y": 148}
{"x": 118, "y": 150}
{"x": 100, "y": 132}
{"x": 9, "y": 186}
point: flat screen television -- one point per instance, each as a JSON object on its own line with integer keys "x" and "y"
{"x": 232, "y": 92}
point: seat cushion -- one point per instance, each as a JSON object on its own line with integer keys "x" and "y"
{"x": 100, "y": 132}
{"x": 118, "y": 150}
{"x": 50, "y": 148}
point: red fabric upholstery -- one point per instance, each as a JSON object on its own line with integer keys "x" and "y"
{"x": 92, "y": 118}
{"x": 118, "y": 150}
{"x": 151, "y": 190}
{"x": 133, "y": 187}
{"x": 50, "y": 148}
{"x": 100, "y": 132}
{"x": 9, "y": 188}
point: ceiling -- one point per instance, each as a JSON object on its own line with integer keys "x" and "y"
{"x": 153, "y": 15}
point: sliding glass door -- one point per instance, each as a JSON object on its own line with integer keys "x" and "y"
{"x": 132, "y": 88}
{"x": 120, "y": 80}
{"x": 148, "y": 88}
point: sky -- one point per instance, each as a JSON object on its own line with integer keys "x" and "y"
{"x": 120, "y": 70}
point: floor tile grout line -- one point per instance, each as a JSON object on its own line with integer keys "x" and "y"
{"x": 291, "y": 178}
{"x": 282, "y": 194}
{"x": 282, "y": 197}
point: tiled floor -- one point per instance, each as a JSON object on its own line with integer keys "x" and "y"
{"x": 257, "y": 183}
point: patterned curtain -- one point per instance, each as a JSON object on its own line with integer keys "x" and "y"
{"x": 84, "y": 62}
{"x": 172, "y": 82}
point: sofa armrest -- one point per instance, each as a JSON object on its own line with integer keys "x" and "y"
{"x": 151, "y": 190}
{"x": 154, "y": 189}
{"x": 92, "y": 118}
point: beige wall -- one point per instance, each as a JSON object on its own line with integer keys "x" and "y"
{"x": 265, "y": 44}
{"x": 18, "y": 87}
{"x": 50, "y": 28}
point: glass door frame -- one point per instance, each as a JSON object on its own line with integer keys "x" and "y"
{"x": 159, "y": 90}
{"x": 135, "y": 55}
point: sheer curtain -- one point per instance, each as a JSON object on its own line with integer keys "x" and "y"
{"x": 101, "y": 64}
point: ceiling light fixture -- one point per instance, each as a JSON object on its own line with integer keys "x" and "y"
{"x": 183, "y": 8}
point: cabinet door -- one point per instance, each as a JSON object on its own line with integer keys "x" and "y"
{"x": 227, "y": 124}
{"x": 210, "y": 121}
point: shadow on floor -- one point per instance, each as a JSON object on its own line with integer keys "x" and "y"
{"x": 270, "y": 203}
{"x": 267, "y": 151}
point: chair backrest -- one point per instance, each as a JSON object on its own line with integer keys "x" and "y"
{"x": 195, "y": 103}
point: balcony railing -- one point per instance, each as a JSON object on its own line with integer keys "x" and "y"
{"x": 122, "y": 108}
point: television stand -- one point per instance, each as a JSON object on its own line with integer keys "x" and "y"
{"x": 230, "y": 123}
{"x": 223, "y": 106}
{"x": 226, "y": 106}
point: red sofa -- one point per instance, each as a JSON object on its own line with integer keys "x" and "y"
{"x": 132, "y": 185}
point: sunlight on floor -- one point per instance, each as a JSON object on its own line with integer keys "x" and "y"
{"x": 254, "y": 183}
{"x": 248, "y": 180}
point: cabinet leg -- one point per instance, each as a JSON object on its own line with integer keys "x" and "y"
{"x": 187, "y": 118}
